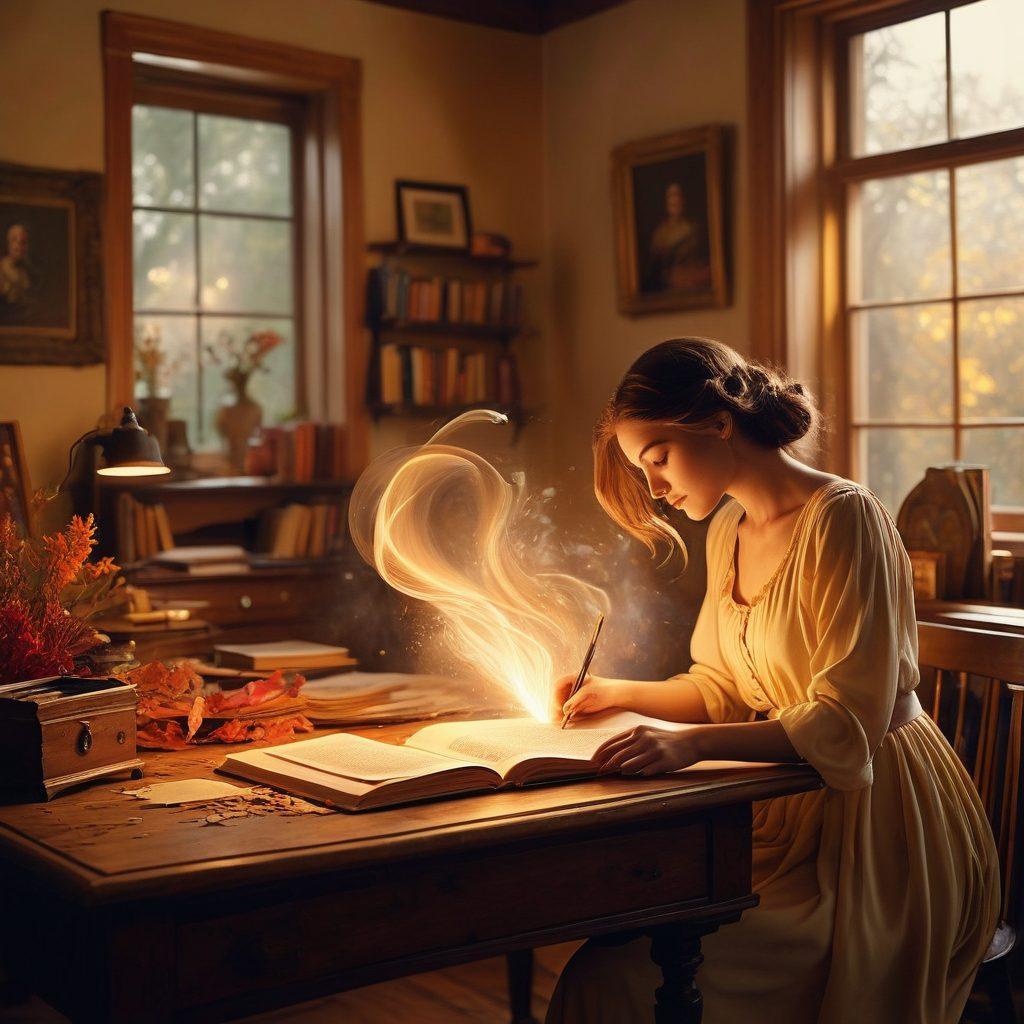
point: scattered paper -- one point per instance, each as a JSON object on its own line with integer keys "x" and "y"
{"x": 186, "y": 791}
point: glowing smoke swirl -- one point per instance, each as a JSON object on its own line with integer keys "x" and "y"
{"x": 436, "y": 521}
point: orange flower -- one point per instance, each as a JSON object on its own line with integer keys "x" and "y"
{"x": 67, "y": 552}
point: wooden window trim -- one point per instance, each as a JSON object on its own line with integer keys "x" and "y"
{"x": 331, "y": 305}
{"x": 798, "y": 170}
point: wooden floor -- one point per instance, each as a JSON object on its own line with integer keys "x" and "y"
{"x": 474, "y": 993}
{"x": 470, "y": 994}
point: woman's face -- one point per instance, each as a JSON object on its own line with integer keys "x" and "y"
{"x": 689, "y": 467}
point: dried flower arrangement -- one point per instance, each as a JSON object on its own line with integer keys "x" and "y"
{"x": 49, "y": 590}
{"x": 243, "y": 360}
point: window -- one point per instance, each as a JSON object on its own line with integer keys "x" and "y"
{"x": 932, "y": 165}
{"x": 233, "y": 203}
{"x": 215, "y": 243}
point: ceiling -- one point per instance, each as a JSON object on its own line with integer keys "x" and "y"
{"x": 533, "y": 17}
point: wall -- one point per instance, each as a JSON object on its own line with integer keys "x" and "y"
{"x": 442, "y": 101}
{"x": 646, "y": 68}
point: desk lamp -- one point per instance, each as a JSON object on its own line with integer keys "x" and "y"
{"x": 127, "y": 450}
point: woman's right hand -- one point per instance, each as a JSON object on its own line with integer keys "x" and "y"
{"x": 596, "y": 694}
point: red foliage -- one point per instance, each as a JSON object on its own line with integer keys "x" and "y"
{"x": 48, "y": 591}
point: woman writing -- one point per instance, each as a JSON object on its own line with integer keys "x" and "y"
{"x": 879, "y": 893}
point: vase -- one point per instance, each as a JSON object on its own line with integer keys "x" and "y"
{"x": 237, "y": 420}
{"x": 153, "y": 413}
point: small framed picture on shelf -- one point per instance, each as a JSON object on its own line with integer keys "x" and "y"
{"x": 929, "y": 574}
{"x": 432, "y": 214}
{"x": 668, "y": 196}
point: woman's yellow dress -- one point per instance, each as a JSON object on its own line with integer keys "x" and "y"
{"x": 878, "y": 894}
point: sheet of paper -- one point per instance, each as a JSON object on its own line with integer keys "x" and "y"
{"x": 353, "y": 757}
{"x": 186, "y": 791}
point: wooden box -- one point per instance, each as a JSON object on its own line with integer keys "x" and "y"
{"x": 62, "y": 731}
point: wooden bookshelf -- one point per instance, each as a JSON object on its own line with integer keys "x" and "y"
{"x": 208, "y": 510}
{"x": 492, "y": 339}
{"x": 443, "y": 252}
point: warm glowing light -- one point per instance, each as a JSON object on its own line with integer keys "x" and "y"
{"x": 160, "y": 276}
{"x": 222, "y": 283}
{"x": 133, "y": 470}
{"x": 436, "y": 522}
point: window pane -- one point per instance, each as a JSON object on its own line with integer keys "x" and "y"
{"x": 990, "y": 226}
{"x": 165, "y": 271}
{"x": 903, "y": 238}
{"x": 895, "y": 459}
{"x": 986, "y": 47}
{"x": 174, "y": 338}
{"x": 1002, "y": 450}
{"x": 244, "y": 165}
{"x": 902, "y": 86}
{"x": 274, "y": 388}
{"x": 247, "y": 264}
{"x": 992, "y": 357}
{"x": 903, "y": 360}
{"x": 162, "y": 167}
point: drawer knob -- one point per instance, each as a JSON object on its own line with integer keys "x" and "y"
{"x": 84, "y": 742}
{"x": 245, "y": 601}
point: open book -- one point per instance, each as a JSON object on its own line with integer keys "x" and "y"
{"x": 450, "y": 758}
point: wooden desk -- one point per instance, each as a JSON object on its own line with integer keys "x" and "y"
{"x": 114, "y": 919}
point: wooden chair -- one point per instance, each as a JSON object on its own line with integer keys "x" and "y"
{"x": 977, "y": 699}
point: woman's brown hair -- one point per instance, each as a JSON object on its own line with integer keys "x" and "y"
{"x": 686, "y": 381}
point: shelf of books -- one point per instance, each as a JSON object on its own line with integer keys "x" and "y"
{"x": 441, "y": 342}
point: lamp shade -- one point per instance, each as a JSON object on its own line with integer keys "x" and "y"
{"x": 128, "y": 450}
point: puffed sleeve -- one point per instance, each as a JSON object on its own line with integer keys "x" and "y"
{"x": 852, "y": 598}
{"x": 708, "y": 671}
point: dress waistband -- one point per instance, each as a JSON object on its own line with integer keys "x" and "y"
{"x": 906, "y": 708}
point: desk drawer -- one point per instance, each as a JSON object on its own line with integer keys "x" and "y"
{"x": 551, "y": 891}
{"x": 246, "y": 599}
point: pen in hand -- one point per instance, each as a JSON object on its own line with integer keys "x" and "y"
{"x": 586, "y": 665}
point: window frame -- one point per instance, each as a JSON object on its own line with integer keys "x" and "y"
{"x": 182, "y": 64}
{"x": 800, "y": 170}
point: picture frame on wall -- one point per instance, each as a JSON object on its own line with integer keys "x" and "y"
{"x": 15, "y": 489}
{"x": 668, "y": 197}
{"x": 433, "y": 214}
{"x": 51, "y": 283}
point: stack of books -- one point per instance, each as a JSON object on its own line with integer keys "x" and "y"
{"x": 415, "y": 375}
{"x": 287, "y": 655}
{"x": 143, "y": 530}
{"x": 204, "y": 560}
{"x": 301, "y": 531}
{"x": 396, "y": 296}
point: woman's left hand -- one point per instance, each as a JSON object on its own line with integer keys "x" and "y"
{"x": 645, "y": 750}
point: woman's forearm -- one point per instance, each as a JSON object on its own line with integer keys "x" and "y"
{"x": 745, "y": 741}
{"x": 676, "y": 700}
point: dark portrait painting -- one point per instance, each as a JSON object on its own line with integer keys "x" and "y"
{"x": 670, "y": 201}
{"x": 668, "y": 196}
{"x": 51, "y": 280}
{"x": 37, "y": 266}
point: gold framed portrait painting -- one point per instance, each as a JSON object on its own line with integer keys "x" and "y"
{"x": 51, "y": 288}
{"x": 668, "y": 195}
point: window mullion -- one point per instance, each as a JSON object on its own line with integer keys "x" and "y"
{"x": 197, "y": 259}
{"x": 955, "y": 325}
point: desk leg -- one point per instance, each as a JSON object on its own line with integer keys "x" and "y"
{"x": 676, "y": 950}
{"x": 519, "y": 964}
